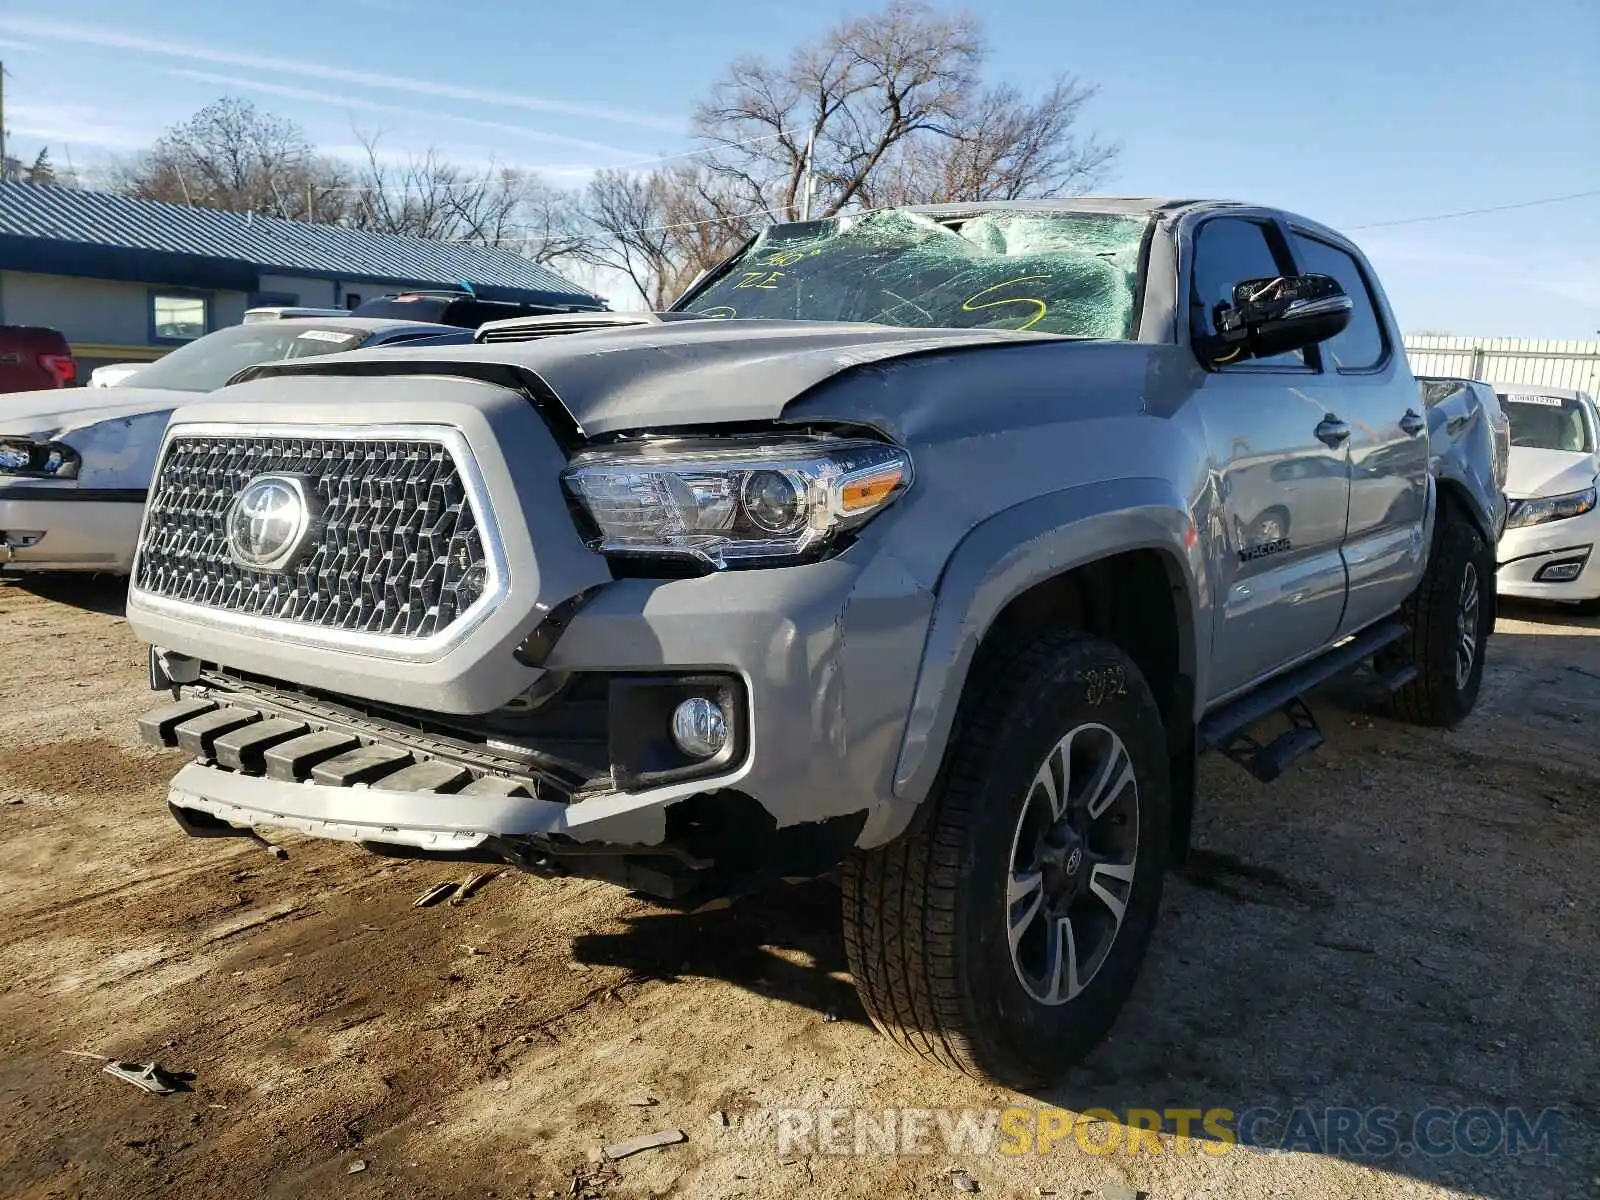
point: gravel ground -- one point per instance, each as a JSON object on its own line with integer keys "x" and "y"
{"x": 1406, "y": 921}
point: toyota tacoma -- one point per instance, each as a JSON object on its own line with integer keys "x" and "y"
{"x": 925, "y": 546}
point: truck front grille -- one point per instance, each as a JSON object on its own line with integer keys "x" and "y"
{"x": 396, "y": 548}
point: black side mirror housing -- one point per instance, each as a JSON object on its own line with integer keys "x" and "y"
{"x": 1275, "y": 316}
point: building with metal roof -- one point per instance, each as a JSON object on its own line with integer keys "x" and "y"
{"x": 128, "y": 279}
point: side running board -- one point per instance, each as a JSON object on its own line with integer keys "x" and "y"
{"x": 1225, "y": 729}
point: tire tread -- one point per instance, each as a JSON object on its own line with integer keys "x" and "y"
{"x": 900, "y": 927}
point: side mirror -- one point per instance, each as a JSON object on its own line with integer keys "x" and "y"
{"x": 1275, "y": 316}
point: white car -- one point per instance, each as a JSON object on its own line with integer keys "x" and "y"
{"x": 74, "y": 468}
{"x": 114, "y": 374}
{"x": 1548, "y": 550}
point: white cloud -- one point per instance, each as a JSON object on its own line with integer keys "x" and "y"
{"x": 75, "y": 123}
{"x": 27, "y": 47}
{"x": 95, "y": 36}
{"x": 311, "y": 96}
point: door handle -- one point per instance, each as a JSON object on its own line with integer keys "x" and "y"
{"x": 1411, "y": 424}
{"x": 1332, "y": 431}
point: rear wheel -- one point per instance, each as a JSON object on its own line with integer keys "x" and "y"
{"x": 1002, "y": 936}
{"x": 1451, "y": 615}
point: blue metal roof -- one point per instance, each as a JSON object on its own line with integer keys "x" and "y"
{"x": 120, "y": 225}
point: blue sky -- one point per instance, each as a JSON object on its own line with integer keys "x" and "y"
{"x": 1356, "y": 114}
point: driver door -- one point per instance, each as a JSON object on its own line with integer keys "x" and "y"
{"x": 1279, "y": 469}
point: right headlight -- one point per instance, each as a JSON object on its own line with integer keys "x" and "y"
{"x": 734, "y": 502}
{"x": 1550, "y": 508}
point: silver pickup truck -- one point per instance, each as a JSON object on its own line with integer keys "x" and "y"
{"x": 930, "y": 546}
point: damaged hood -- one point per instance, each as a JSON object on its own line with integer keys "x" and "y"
{"x": 58, "y": 411}
{"x": 117, "y": 439}
{"x": 675, "y": 373}
{"x": 1536, "y": 473}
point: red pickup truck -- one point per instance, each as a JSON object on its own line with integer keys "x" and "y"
{"x": 33, "y": 357}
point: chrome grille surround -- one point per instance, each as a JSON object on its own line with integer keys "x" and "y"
{"x": 406, "y": 520}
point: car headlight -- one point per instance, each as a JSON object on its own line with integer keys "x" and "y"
{"x": 745, "y": 502}
{"x": 38, "y": 460}
{"x": 1550, "y": 508}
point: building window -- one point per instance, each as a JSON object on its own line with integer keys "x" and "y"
{"x": 175, "y": 317}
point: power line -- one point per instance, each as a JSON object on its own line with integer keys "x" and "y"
{"x": 1473, "y": 212}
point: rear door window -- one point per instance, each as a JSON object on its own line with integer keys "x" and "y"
{"x": 1361, "y": 346}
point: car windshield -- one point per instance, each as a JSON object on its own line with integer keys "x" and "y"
{"x": 1548, "y": 422}
{"x": 207, "y": 363}
{"x": 1064, "y": 273}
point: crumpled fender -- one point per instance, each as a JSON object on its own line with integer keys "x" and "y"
{"x": 1462, "y": 451}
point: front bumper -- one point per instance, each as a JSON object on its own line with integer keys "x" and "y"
{"x": 79, "y": 530}
{"x": 825, "y": 655}
{"x": 1524, "y": 553}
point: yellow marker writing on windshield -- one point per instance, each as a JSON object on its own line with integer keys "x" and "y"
{"x": 969, "y": 305}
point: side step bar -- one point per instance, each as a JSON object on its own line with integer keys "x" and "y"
{"x": 1224, "y": 730}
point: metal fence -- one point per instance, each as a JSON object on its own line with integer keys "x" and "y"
{"x": 1508, "y": 360}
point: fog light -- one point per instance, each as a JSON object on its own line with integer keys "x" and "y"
{"x": 1560, "y": 572}
{"x": 699, "y": 727}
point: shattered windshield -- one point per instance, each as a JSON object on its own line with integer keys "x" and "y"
{"x": 1064, "y": 273}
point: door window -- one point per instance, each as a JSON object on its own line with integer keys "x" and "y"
{"x": 1229, "y": 250}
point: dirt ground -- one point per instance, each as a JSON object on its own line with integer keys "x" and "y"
{"x": 1408, "y": 920}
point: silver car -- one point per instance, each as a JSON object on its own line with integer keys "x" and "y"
{"x": 74, "y": 466}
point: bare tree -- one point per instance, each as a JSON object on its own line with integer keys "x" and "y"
{"x": 553, "y": 223}
{"x": 662, "y": 228}
{"x": 884, "y": 109}
{"x": 233, "y": 157}
{"x": 428, "y": 196}
{"x": 1001, "y": 147}
{"x": 848, "y": 100}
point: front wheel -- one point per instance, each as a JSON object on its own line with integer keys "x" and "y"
{"x": 1002, "y": 936}
{"x": 1451, "y": 615}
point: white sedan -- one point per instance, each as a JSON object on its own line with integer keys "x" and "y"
{"x": 1548, "y": 550}
{"x": 114, "y": 374}
{"x": 75, "y": 466}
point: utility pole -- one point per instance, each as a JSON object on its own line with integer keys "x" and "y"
{"x": 807, "y": 181}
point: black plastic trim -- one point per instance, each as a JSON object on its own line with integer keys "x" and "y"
{"x": 79, "y": 495}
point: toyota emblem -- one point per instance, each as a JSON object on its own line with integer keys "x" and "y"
{"x": 269, "y": 522}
